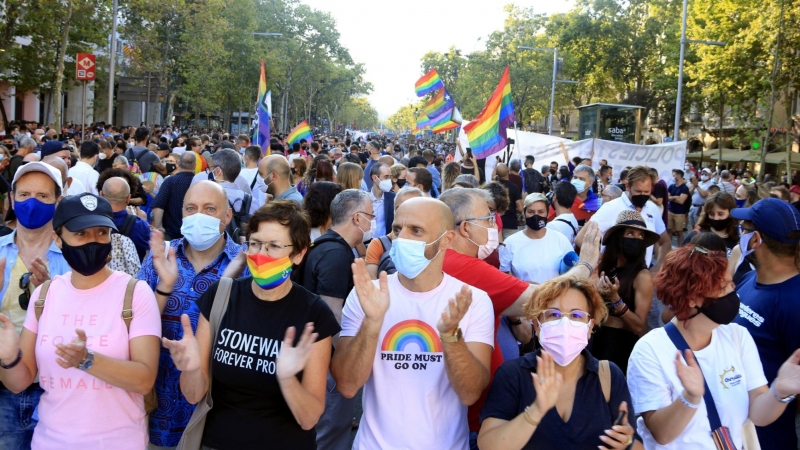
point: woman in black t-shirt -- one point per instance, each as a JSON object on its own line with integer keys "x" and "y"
{"x": 268, "y": 379}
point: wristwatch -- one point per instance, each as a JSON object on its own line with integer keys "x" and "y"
{"x": 87, "y": 362}
{"x": 454, "y": 338}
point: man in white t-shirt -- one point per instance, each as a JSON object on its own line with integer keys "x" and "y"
{"x": 419, "y": 341}
{"x": 639, "y": 186}
{"x": 252, "y": 156}
{"x": 699, "y": 190}
{"x": 548, "y": 246}
{"x": 565, "y": 223}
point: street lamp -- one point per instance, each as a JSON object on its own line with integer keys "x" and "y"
{"x": 684, "y": 41}
{"x": 553, "y": 85}
{"x": 267, "y": 34}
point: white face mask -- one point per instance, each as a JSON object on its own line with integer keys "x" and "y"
{"x": 385, "y": 185}
{"x": 201, "y": 231}
{"x": 369, "y": 233}
{"x": 102, "y": 156}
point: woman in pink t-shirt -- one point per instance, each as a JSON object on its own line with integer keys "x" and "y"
{"x": 93, "y": 369}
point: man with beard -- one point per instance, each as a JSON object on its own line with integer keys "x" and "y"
{"x": 770, "y": 233}
{"x": 278, "y": 180}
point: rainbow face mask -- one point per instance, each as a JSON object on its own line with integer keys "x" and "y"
{"x": 269, "y": 273}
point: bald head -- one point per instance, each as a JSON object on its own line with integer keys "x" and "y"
{"x": 59, "y": 164}
{"x": 277, "y": 164}
{"x": 207, "y": 197}
{"x": 434, "y": 214}
{"x": 31, "y": 157}
{"x": 116, "y": 190}
{"x": 502, "y": 171}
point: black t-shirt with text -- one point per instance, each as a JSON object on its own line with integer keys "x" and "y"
{"x": 249, "y": 409}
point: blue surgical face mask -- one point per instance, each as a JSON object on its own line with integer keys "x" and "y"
{"x": 408, "y": 256}
{"x": 579, "y": 184}
{"x": 740, "y": 203}
{"x": 33, "y": 214}
{"x": 201, "y": 231}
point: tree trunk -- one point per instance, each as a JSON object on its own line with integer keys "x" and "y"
{"x": 57, "y": 119}
{"x": 775, "y": 67}
{"x": 721, "y": 125}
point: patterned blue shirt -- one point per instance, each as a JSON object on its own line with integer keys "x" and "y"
{"x": 172, "y": 415}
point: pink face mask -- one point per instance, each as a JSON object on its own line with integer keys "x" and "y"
{"x": 564, "y": 339}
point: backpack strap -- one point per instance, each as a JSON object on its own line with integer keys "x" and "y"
{"x": 39, "y": 304}
{"x": 127, "y": 303}
{"x": 253, "y": 184}
{"x": 127, "y": 225}
{"x": 604, "y": 372}
{"x": 247, "y": 200}
{"x": 574, "y": 231}
{"x": 386, "y": 243}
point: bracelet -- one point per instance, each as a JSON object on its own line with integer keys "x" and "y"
{"x": 778, "y": 398}
{"x": 165, "y": 294}
{"x": 528, "y": 418}
{"x": 13, "y": 363}
{"x": 688, "y": 403}
{"x": 617, "y": 303}
{"x": 621, "y": 312}
{"x": 588, "y": 266}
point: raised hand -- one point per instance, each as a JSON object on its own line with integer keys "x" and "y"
{"x": 788, "y": 381}
{"x": 165, "y": 263}
{"x": 374, "y": 301}
{"x": 9, "y": 340}
{"x": 185, "y": 353}
{"x": 590, "y": 250}
{"x": 546, "y": 383}
{"x": 236, "y": 266}
{"x": 691, "y": 377}
{"x": 455, "y": 311}
{"x": 74, "y": 353}
{"x": 39, "y": 273}
{"x": 607, "y": 288}
{"x": 619, "y": 436}
{"x": 291, "y": 359}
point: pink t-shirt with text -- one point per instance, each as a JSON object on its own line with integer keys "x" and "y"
{"x": 77, "y": 410}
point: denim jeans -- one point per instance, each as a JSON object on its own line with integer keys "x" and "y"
{"x": 16, "y": 417}
{"x": 336, "y": 422}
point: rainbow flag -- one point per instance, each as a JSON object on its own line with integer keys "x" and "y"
{"x": 448, "y": 121}
{"x": 418, "y": 132}
{"x": 301, "y": 131}
{"x": 487, "y": 133}
{"x": 263, "y": 112}
{"x": 429, "y": 82}
{"x": 375, "y": 130}
{"x": 423, "y": 121}
{"x": 441, "y": 103}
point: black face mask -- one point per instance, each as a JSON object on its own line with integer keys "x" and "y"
{"x": 401, "y": 182}
{"x": 718, "y": 224}
{"x": 552, "y": 171}
{"x": 294, "y": 172}
{"x": 536, "y": 222}
{"x": 86, "y": 259}
{"x": 171, "y": 167}
{"x": 639, "y": 200}
{"x": 721, "y": 310}
{"x": 631, "y": 248}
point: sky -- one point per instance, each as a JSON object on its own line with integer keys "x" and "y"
{"x": 390, "y": 36}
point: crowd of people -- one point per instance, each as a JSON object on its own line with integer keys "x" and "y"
{"x": 187, "y": 289}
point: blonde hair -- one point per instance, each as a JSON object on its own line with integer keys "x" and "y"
{"x": 349, "y": 175}
{"x": 551, "y": 290}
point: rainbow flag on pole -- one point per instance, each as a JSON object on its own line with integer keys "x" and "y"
{"x": 487, "y": 133}
{"x": 301, "y": 131}
{"x": 423, "y": 121}
{"x": 447, "y": 121}
{"x": 263, "y": 112}
{"x": 430, "y": 82}
{"x": 439, "y": 104}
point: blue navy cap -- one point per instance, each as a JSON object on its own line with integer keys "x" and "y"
{"x": 775, "y": 218}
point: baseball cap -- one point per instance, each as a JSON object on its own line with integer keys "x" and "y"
{"x": 79, "y": 212}
{"x": 707, "y": 170}
{"x": 37, "y": 166}
{"x": 773, "y": 217}
{"x": 53, "y": 146}
{"x": 163, "y": 146}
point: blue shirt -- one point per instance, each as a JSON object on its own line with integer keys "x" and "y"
{"x": 512, "y": 391}
{"x": 168, "y": 421}
{"x": 437, "y": 180}
{"x": 170, "y": 199}
{"x": 771, "y": 314}
{"x": 140, "y": 232}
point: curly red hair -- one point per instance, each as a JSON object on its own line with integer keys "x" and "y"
{"x": 687, "y": 276}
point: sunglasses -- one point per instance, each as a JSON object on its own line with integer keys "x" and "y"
{"x": 25, "y": 296}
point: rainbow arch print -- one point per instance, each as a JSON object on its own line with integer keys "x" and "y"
{"x": 408, "y": 332}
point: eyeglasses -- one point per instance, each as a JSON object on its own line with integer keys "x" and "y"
{"x": 371, "y": 216}
{"x": 742, "y": 229}
{"x": 25, "y": 296}
{"x": 555, "y": 315}
{"x": 491, "y": 218}
{"x": 273, "y": 247}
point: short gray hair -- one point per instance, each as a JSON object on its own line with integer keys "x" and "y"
{"x": 187, "y": 161}
{"x": 586, "y": 169}
{"x": 408, "y": 191}
{"x": 468, "y": 179}
{"x": 27, "y": 142}
{"x": 612, "y": 191}
{"x": 345, "y": 204}
{"x": 514, "y": 165}
{"x": 120, "y": 160}
{"x": 230, "y": 163}
{"x": 461, "y": 200}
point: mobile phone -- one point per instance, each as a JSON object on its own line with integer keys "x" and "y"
{"x": 612, "y": 275}
{"x": 620, "y": 418}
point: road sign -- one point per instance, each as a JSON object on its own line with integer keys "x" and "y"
{"x": 85, "y": 67}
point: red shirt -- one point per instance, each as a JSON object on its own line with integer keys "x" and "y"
{"x": 576, "y": 210}
{"x": 503, "y": 290}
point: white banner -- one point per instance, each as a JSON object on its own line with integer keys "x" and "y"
{"x": 547, "y": 149}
